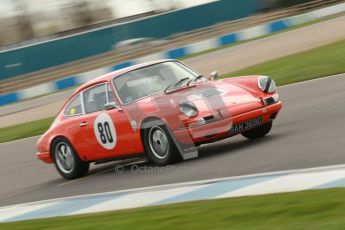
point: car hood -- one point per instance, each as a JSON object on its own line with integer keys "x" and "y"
{"x": 219, "y": 96}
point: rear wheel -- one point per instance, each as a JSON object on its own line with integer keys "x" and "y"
{"x": 67, "y": 162}
{"x": 159, "y": 146}
{"x": 258, "y": 132}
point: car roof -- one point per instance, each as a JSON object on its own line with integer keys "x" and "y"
{"x": 109, "y": 76}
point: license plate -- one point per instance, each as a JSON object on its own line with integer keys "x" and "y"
{"x": 238, "y": 128}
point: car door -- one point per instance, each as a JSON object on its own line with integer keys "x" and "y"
{"x": 107, "y": 133}
{"x": 74, "y": 118}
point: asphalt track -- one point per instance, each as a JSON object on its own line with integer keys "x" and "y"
{"x": 224, "y": 60}
{"x": 309, "y": 132}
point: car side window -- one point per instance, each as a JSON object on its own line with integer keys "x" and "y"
{"x": 95, "y": 98}
{"x": 74, "y": 107}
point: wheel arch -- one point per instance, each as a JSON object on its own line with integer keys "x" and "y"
{"x": 148, "y": 122}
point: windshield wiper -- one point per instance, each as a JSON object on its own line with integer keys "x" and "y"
{"x": 174, "y": 84}
{"x": 194, "y": 79}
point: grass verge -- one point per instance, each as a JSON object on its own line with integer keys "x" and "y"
{"x": 320, "y": 62}
{"x": 24, "y": 130}
{"x": 315, "y": 63}
{"x": 315, "y": 209}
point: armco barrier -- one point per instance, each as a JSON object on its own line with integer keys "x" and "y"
{"x": 243, "y": 35}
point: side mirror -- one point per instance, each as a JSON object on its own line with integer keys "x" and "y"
{"x": 213, "y": 75}
{"x": 112, "y": 105}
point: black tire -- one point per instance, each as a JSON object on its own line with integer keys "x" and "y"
{"x": 258, "y": 132}
{"x": 161, "y": 151}
{"x": 67, "y": 161}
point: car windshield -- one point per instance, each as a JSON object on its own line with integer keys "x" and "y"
{"x": 149, "y": 80}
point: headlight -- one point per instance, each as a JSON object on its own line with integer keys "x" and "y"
{"x": 188, "y": 108}
{"x": 267, "y": 84}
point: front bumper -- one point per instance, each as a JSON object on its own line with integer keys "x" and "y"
{"x": 45, "y": 157}
{"x": 220, "y": 129}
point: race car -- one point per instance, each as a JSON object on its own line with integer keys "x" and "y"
{"x": 160, "y": 110}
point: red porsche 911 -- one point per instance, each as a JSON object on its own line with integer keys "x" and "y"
{"x": 161, "y": 110}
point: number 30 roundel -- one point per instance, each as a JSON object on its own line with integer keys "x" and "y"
{"x": 105, "y": 131}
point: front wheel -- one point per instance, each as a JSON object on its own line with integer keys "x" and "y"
{"x": 159, "y": 146}
{"x": 258, "y": 132}
{"x": 67, "y": 162}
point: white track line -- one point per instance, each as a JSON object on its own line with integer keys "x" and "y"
{"x": 289, "y": 183}
{"x": 22, "y": 139}
{"x": 311, "y": 80}
{"x": 10, "y": 212}
{"x": 137, "y": 199}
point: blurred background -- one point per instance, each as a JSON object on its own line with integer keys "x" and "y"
{"x": 23, "y": 20}
{"x": 29, "y": 19}
{"x": 43, "y": 41}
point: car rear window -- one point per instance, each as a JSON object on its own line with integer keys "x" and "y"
{"x": 74, "y": 107}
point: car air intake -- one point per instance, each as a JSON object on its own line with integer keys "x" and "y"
{"x": 209, "y": 119}
{"x": 270, "y": 101}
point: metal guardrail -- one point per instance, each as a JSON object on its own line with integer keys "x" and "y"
{"x": 178, "y": 40}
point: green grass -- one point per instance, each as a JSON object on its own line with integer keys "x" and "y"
{"x": 23, "y": 130}
{"x": 320, "y": 62}
{"x": 308, "y": 210}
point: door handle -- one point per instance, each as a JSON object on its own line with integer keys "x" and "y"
{"x": 82, "y": 124}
